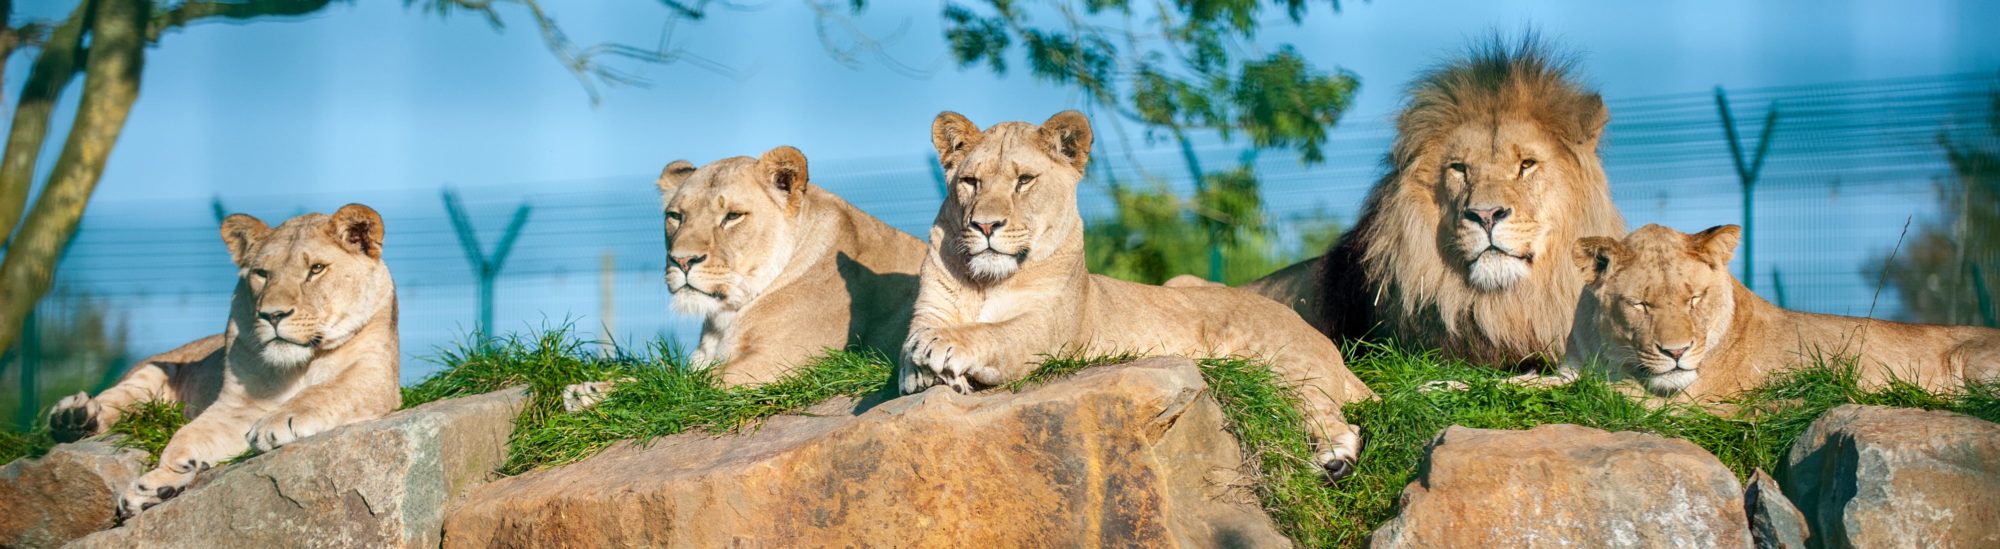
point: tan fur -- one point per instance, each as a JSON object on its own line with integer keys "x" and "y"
{"x": 990, "y": 308}
{"x": 800, "y": 273}
{"x": 1502, "y": 129}
{"x": 330, "y": 359}
{"x": 1663, "y": 290}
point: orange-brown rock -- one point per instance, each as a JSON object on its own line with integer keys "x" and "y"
{"x": 64, "y": 494}
{"x": 1128, "y": 455}
{"x": 1567, "y": 486}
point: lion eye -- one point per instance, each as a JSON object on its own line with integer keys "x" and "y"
{"x": 673, "y": 216}
{"x": 732, "y": 216}
{"x": 1641, "y": 305}
{"x": 1024, "y": 180}
{"x": 260, "y": 273}
{"x": 1696, "y": 300}
{"x": 1458, "y": 167}
{"x": 1526, "y": 165}
{"x": 969, "y": 181}
{"x": 317, "y": 268}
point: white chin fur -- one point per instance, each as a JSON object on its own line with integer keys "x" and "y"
{"x": 993, "y": 266}
{"x": 688, "y": 301}
{"x": 1670, "y": 382}
{"x": 285, "y": 355}
{"x": 1496, "y": 271}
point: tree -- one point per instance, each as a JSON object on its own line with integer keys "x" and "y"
{"x": 1950, "y": 269}
{"x": 1174, "y": 67}
{"x": 103, "y": 43}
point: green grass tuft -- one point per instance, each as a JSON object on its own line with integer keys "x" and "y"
{"x": 16, "y": 445}
{"x": 148, "y": 426}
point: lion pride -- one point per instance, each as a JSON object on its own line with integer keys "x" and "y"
{"x": 1003, "y": 285}
{"x": 1461, "y": 245}
{"x": 311, "y": 345}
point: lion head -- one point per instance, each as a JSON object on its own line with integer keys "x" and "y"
{"x": 1012, "y": 197}
{"x": 1493, "y": 167}
{"x": 309, "y": 285}
{"x": 729, "y": 227}
{"x": 1665, "y": 299}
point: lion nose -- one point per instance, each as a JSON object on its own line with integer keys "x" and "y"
{"x": 987, "y": 228}
{"x": 1486, "y": 218}
{"x": 1675, "y": 352}
{"x": 687, "y": 262}
{"x": 273, "y": 316}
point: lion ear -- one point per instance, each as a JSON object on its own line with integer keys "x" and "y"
{"x": 1716, "y": 245}
{"x": 673, "y": 175}
{"x": 1591, "y": 118}
{"x": 240, "y": 232}
{"x": 786, "y": 167}
{"x": 1597, "y": 255}
{"x": 359, "y": 229}
{"x": 952, "y": 134}
{"x": 1069, "y": 131}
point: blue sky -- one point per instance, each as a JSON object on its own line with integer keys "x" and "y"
{"x": 373, "y": 102}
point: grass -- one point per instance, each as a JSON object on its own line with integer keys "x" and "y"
{"x": 148, "y": 426}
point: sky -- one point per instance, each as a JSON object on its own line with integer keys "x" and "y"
{"x": 377, "y": 102}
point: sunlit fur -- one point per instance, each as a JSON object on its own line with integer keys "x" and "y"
{"x": 1502, "y": 127}
{"x": 1661, "y": 290}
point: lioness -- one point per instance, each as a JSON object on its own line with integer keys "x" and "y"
{"x": 1675, "y": 319}
{"x": 1493, "y": 169}
{"x": 1004, "y": 283}
{"x": 311, "y": 345}
{"x": 780, "y": 269}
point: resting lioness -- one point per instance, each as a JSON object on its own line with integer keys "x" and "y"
{"x": 1675, "y": 319}
{"x": 311, "y": 345}
{"x": 1004, "y": 284}
{"x": 780, "y": 269}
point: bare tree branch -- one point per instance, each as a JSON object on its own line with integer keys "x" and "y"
{"x": 196, "y": 10}
{"x": 860, "y": 43}
{"x": 54, "y": 68}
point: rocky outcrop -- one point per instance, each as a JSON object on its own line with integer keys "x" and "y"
{"x": 1869, "y": 476}
{"x": 1567, "y": 486}
{"x": 382, "y": 483}
{"x": 1128, "y": 455}
{"x": 1774, "y": 522}
{"x": 65, "y": 494}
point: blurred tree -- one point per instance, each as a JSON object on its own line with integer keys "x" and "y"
{"x": 79, "y": 343}
{"x": 1949, "y": 270}
{"x": 1174, "y": 67}
{"x": 104, "y": 42}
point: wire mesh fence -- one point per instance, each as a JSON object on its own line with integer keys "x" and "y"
{"x": 1848, "y": 165}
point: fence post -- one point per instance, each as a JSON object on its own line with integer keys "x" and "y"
{"x": 1778, "y": 283}
{"x": 1983, "y": 295}
{"x": 31, "y": 365}
{"x": 1747, "y": 173}
{"x": 607, "y": 288}
{"x": 937, "y": 173}
{"x": 485, "y": 267}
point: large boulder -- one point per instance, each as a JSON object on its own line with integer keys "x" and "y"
{"x": 1868, "y": 476}
{"x": 1774, "y": 522}
{"x": 1127, "y": 455}
{"x": 1567, "y": 486}
{"x": 65, "y": 494}
{"x": 382, "y": 483}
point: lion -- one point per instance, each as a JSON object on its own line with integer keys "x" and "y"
{"x": 780, "y": 269}
{"x": 1494, "y": 167}
{"x": 1673, "y": 318}
{"x": 311, "y": 345}
{"x": 1003, "y": 283}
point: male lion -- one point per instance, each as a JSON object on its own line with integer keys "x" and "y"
{"x": 1494, "y": 167}
{"x": 1674, "y": 318}
{"x": 311, "y": 345}
{"x": 781, "y": 269}
{"x": 1004, "y": 282}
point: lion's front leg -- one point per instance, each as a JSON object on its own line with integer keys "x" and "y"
{"x": 214, "y": 436}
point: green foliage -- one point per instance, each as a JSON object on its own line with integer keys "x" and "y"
{"x": 1178, "y": 65}
{"x": 1153, "y": 236}
{"x": 16, "y": 445}
{"x": 76, "y": 341}
{"x": 148, "y": 426}
{"x": 1948, "y": 271}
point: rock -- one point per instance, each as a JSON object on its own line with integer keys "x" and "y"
{"x": 1774, "y": 522}
{"x": 66, "y": 494}
{"x": 1128, "y": 455}
{"x": 383, "y": 483}
{"x": 1868, "y": 476}
{"x": 1567, "y": 486}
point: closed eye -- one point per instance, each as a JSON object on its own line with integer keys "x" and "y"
{"x": 732, "y": 216}
{"x": 673, "y": 216}
{"x": 1457, "y": 167}
{"x": 969, "y": 181}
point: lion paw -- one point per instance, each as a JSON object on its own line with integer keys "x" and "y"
{"x": 279, "y": 429}
{"x": 75, "y": 417}
{"x": 1338, "y": 456}
{"x": 154, "y": 488}
{"x": 583, "y": 396}
{"x": 940, "y": 357}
